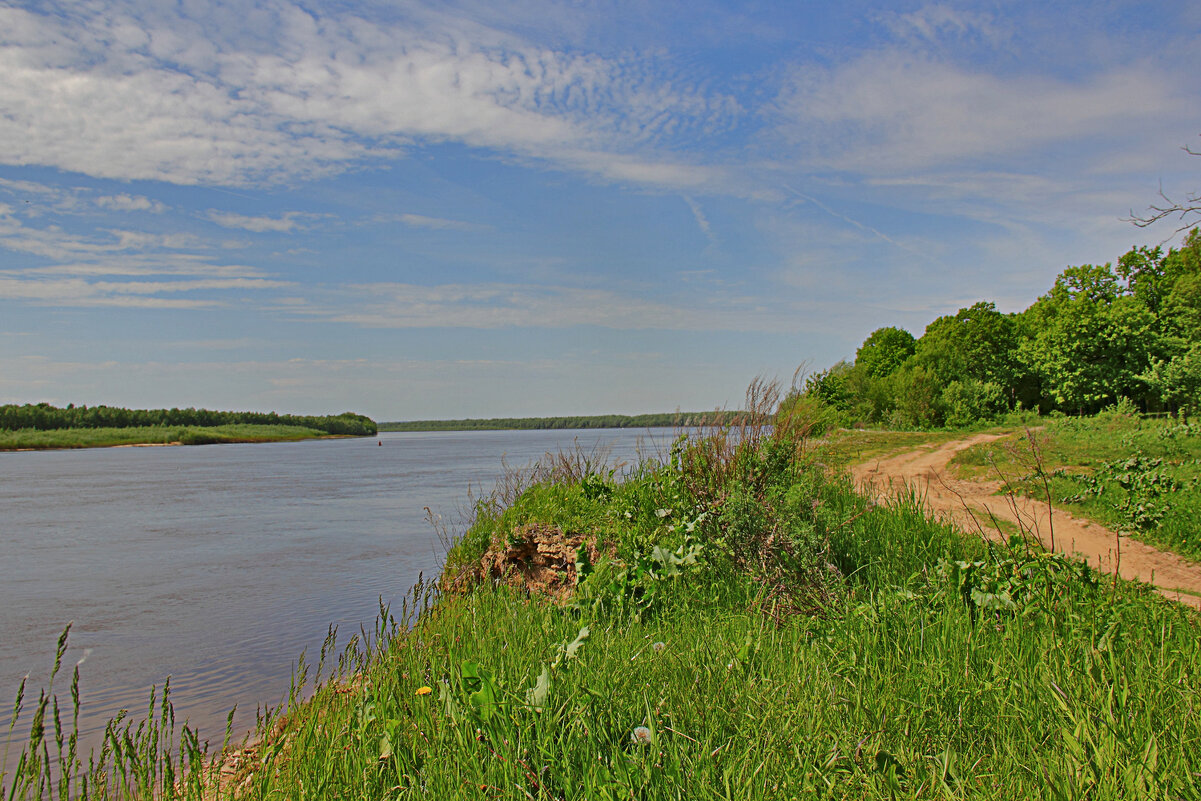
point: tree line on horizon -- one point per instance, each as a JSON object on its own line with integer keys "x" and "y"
{"x": 45, "y": 417}
{"x": 1101, "y": 335}
{"x": 653, "y": 420}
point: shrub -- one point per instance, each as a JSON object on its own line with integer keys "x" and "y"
{"x": 971, "y": 401}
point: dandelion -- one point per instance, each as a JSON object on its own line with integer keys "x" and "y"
{"x": 424, "y": 690}
{"x": 641, "y": 735}
{"x": 659, "y": 646}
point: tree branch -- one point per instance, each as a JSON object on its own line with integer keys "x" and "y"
{"x": 1187, "y": 210}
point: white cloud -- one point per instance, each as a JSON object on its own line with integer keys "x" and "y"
{"x": 125, "y": 202}
{"x": 932, "y": 23}
{"x": 143, "y": 264}
{"x": 83, "y": 267}
{"x": 284, "y": 224}
{"x": 890, "y": 112}
{"x": 702, "y": 221}
{"x": 76, "y": 291}
{"x": 438, "y": 223}
{"x": 198, "y": 100}
{"x": 497, "y": 305}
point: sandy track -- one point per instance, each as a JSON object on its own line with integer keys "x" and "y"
{"x": 969, "y": 504}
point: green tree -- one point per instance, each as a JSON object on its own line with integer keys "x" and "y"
{"x": 884, "y": 351}
{"x": 919, "y": 402}
{"x": 1178, "y": 380}
{"x": 830, "y": 386}
{"x": 1143, "y": 271}
{"x": 977, "y": 344}
{"x": 971, "y": 401}
{"x": 1182, "y": 308}
{"x": 1089, "y": 341}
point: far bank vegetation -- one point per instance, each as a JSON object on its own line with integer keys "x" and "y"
{"x": 41, "y": 425}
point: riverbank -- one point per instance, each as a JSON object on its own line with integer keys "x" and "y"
{"x": 734, "y": 622}
{"x": 71, "y": 438}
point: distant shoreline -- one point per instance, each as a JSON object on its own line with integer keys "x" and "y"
{"x": 663, "y": 420}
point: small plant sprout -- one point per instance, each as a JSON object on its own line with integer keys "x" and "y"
{"x": 641, "y": 735}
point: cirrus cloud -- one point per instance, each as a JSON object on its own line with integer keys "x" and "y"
{"x": 114, "y": 92}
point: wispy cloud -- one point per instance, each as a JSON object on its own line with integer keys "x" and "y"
{"x": 933, "y": 23}
{"x": 125, "y": 202}
{"x": 702, "y": 221}
{"x": 333, "y": 91}
{"x": 283, "y": 224}
{"x": 892, "y": 111}
{"x": 52, "y": 242}
{"x": 78, "y": 292}
{"x": 497, "y": 305}
{"x": 422, "y": 221}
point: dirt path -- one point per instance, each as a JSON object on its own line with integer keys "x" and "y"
{"x": 969, "y": 504}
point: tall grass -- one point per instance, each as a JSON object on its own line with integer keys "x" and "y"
{"x": 759, "y": 631}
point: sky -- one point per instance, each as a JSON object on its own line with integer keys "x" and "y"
{"x": 477, "y": 208}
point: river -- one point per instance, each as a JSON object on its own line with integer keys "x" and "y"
{"x": 218, "y": 565}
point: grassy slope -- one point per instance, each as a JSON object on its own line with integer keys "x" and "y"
{"x": 150, "y": 435}
{"x": 1157, "y": 500}
{"x": 901, "y": 675}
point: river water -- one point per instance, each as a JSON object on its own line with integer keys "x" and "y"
{"x": 218, "y": 565}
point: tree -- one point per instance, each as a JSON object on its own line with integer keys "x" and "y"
{"x": 1089, "y": 341}
{"x": 885, "y": 350}
{"x": 1143, "y": 271}
{"x": 830, "y": 386}
{"x": 1178, "y": 380}
{"x": 919, "y": 402}
{"x": 977, "y": 343}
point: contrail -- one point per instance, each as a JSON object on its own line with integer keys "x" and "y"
{"x": 847, "y": 219}
{"x": 702, "y": 221}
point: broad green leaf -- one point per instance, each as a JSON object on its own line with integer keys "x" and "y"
{"x": 536, "y": 696}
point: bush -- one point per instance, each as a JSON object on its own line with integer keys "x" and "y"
{"x": 919, "y": 402}
{"x": 971, "y": 401}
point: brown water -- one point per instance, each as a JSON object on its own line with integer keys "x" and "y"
{"x": 218, "y": 565}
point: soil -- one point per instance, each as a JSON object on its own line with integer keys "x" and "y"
{"x": 969, "y": 504}
{"x": 538, "y": 559}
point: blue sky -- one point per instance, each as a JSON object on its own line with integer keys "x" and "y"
{"x": 477, "y": 209}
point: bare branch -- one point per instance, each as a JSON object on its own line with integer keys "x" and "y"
{"x": 1187, "y": 210}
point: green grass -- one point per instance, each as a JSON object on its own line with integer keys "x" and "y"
{"x": 1128, "y": 473}
{"x": 760, "y": 632}
{"x": 32, "y": 439}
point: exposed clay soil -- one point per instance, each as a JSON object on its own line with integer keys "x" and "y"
{"x": 969, "y": 504}
{"x": 538, "y": 559}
